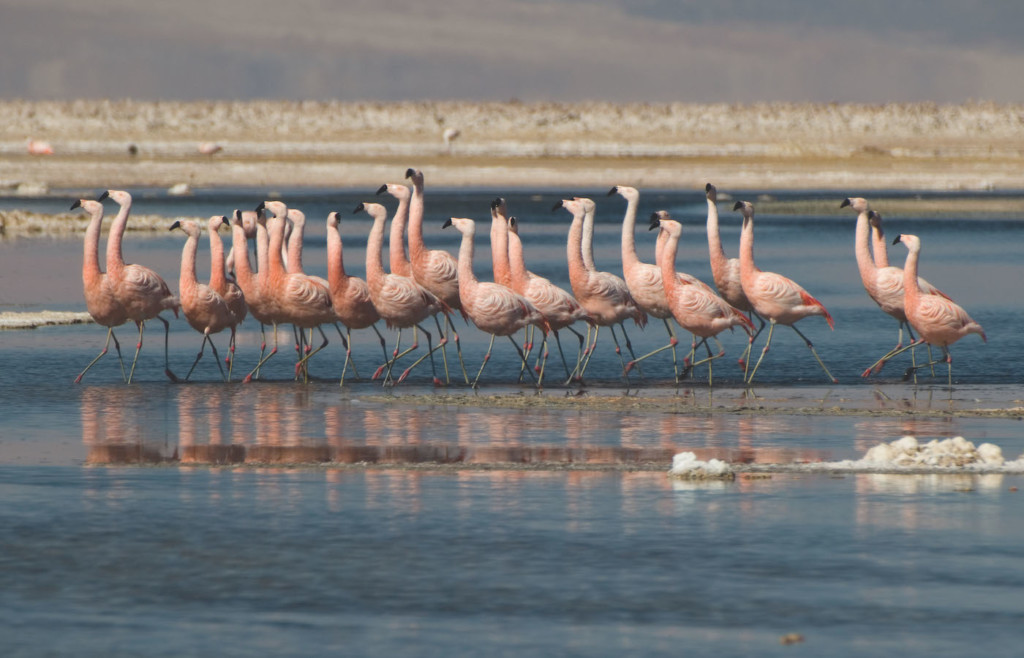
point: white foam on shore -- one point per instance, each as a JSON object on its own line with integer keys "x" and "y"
{"x": 905, "y": 455}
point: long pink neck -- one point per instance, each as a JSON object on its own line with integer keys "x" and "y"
{"x": 336, "y": 276}
{"x": 217, "y": 279}
{"x": 668, "y": 263}
{"x": 240, "y": 252}
{"x": 499, "y": 251}
{"x": 517, "y": 263}
{"x": 262, "y": 249}
{"x": 396, "y": 245}
{"x": 115, "y": 262}
{"x": 295, "y": 247}
{"x": 574, "y": 250}
{"x": 275, "y": 229}
{"x": 862, "y": 250}
{"x": 374, "y": 265}
{"x": 187, "y": 281}
{"x": 467, "y": 280}
{"x": 911, "y": 291}
{"x": 881, "y": 249}
{"x": 747, "y": 266}
{"x": 659, "y": 247}
{"x": 719, "y": 261}
{"x": 629, "y": 257}
{"x": 587, "y": 241}
{"x": 91, "y": 260}
{"x": 417, "y": 249}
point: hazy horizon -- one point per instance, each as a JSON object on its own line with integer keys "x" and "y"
{"x": 736, "y": 51}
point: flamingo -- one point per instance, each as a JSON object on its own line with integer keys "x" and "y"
{"x": 398, "y": 259}
{"x": 247, "y": 280}
{"x": 350, "y": 296}
{"x": 434, "y": 269}
{"x": 219, "y": 283}
{"x": 206, "y": 311}
{"x": 726, "y": 273}
{"x": 398, "y": 299}
{"x": 883, "y": 283}
{"x": 100, "y": 301}
{"x": 38, "y": 147}
{"x": 774, "y": 296}
{"x": 939, "y": 321}
{"x": 492, "y": 307}
{"x": 558, "y": 307}
{"x": 302, "y": 300}
{"x": 209, "y": 148}
{"x": 645, "y": 280}
{"x": 248, "y": 220}
{"x": 697, "y": 309}
{"x": 603, "y": 295}
{"x": 140, "y": 290}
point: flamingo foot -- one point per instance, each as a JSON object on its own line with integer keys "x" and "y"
{"x": 438, "y": 383}
{"x": 868, "y": 372}
{"x": 403, "y": 376}
{"x": 171, "y": 376}
{"x": 247, "y": 379}
{"x": 629, "y": 366}
{"x": 78, "y": 379}
{"x": 378, "y": 372}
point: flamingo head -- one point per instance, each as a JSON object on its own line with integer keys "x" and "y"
{"x": 275, "y": 208}
{"x": 875, "y": 220}
{"x": 588, "y": 205}
{"x": 415, "y": 175}
{"x": 711, "y": 192}
{"x": 513, "y": 225}
{"x": 296, "y": 217}
{"x": 912, "y": 242}
{"x": 627, "y": 193}
{"x": 857, "y": 203}
{"x": 189, "y": 226}
{"x": 332, "y": 219}
{"x": 463, "y": 225}
{"x": 120, "y": 197}
{"x": 215, "y": 222}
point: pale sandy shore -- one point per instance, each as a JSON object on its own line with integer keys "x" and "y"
{"x": 778, "y": 146}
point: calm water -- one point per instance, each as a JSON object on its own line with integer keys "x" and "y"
{"x": 101, "y": 556}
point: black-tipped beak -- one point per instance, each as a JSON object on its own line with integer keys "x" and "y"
{"x": 410, "y": 172}
{"x": 846, "y": 202}
{"x": 382, "y": 189}
{"x": 557, "y": 206}
{"x": 655, "y": 222}
{"x": 497, "y": 203}
{"x": 897, "y": 239}
{"x": 614, "y": 190}
{"x": 739, "y": 204}
{"x": 512, "y": 221}
{"x": 237, "y": 214}
{"x": 360, "y": 208}
{"x": 104, "y": 196}
{"x": 76, "y": 204}
{"x": 447, "y": 222}
{"x": 709, "y": 187}
{"x": 262, "y": 206}
{"x": 175, "y": 225}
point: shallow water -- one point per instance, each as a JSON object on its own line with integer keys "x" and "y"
{"x": 100, "y": 555}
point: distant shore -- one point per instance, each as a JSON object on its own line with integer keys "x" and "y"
{"x": 769, "y": 147}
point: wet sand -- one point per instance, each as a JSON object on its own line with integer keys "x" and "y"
{"x": 778, "y": 146}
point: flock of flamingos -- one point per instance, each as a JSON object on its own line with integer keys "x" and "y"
{"x": 425, "y": 283}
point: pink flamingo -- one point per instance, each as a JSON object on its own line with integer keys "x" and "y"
{"x": 38, "y": 147}
{"x": 350, "y": 296}
{"x": 603, "y": 295}
{"x": 209, "y": 148}
{"x": 248, "y": 220}
{"x": 492, "y": 307}
{"x": 140, "y": 290}
{"x": 434, "y": 269}
{"x": 938, "y": 320}
{"x": 559, "y": 308}
{"x": 100, "y": 301}
{"x": 774, "y": 296}
{"x": 302, "y": 300}
{"x": 726, "y": 272}
{"x": 229, "y": 291}
{"x": 248, "y": 280}
{"x": 696, "y": 309}
{"x": 398, "y": 299}
{"x": 206, "y": 311}
{"x": 644, "y": 279}
{"x": 883, "y": 283}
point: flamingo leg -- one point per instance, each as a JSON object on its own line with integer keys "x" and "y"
{"x": 202, "y": 347}
{"x": 589, "y": 353}
{"x": 750, "y": 342}
{"x": 443, "y": 340}
{"x": 430, "y": 353}
{"x": 347, "y": 344}
{"x": 523, "y": 355}
{"x": 618, "y": 350}
{"x": 579, "y": 353}
{"x": 106, "y": 345}
{"x": 810, "y": 346}
{"x": 487, "y": 357}
{"x": 167, "y": 342}
{"x": 304, "y": 362}
{"x": 263, "y": 359}
{"x": 947, "y": 358}
{"x": 527, "y": 348}
{"x": 231, "y": 353}
{"x": 767, "y": 345}
{"x": 672, "y": 342}
{"x": 542, "y": 356}
{"x": 458, "y": 346}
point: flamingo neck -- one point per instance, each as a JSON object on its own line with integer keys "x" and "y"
{"x": 115, "y": 261}
{"x": 467, "y": 280}
{"x": 295, "y": 248}
{"x": 747, "y": 266}
{"x": 91, "y": 260}
{"x": 574, "y": 249}
{"x": 587, "y": 241}
{"x": 880, "y": 248}
{"x": 336, "y": 276}
{"x": 275, "y": 263}
{"x": 517, "y": 263}
{"x": 187, "y": 280}
{"x": 217, "y": 278}
{"x": 718, "y": 257}
{"x": 499, "y": 251}
{"x": 668, "y": 262}
{"x": 629, "y": 257}
{"x": 862, "y": 248}
{"x": 911, "y": 291}
{"x": 659, "y": 246}
{"x": 399, "y": 261}
{"x": 240, "y": 253}
{"x": 374, "y": 266}
{"x": 416, "y": 246}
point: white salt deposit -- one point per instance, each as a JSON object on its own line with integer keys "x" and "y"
{"x": 686, "y": 465}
